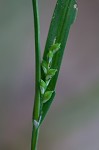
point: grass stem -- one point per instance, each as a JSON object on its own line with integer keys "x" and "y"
{"x": 36, "y": 109}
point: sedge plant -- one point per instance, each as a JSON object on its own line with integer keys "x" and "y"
{"x": 47, "y": 68}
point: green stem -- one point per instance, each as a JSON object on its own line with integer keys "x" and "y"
{"x": 36, "y": 109}
{"x": 34, "y": 141}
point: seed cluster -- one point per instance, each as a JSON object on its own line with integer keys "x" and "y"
{"x": 49, "y": 72}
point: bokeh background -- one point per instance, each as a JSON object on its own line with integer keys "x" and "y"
{"x": 73, "y": 120}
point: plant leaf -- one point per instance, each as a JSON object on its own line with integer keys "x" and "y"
{"x": 64, "y": 15}
{"x": 46, "y": 107}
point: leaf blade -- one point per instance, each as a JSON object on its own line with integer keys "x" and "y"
{"x": 63, "y": 17}
{"x": 46, "y": 107}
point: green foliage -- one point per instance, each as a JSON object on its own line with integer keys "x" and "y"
{"x": 47, "y": 72}
{"x": 46, "y": 107}
{"x": 63, "y": 17}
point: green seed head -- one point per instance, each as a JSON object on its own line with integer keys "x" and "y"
{"x": 55, "y": 47}
{"x": 50, "y": 56}
{"x": 50, "y": 73}
{"x": 43, "y": 86}
{"x": 47, "y": 96}
{"x": 44, "y": 66}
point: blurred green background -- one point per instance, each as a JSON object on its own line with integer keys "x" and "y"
{"x": 73, "y": 120}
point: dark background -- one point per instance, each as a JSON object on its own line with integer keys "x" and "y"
{"x": 73, "y": 120}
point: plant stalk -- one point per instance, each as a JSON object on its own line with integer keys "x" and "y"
{"x": 34, "y": 141}
{"x": 36, "y": 109}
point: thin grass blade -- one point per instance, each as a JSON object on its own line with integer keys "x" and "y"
{"x": 63, "y": 17}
